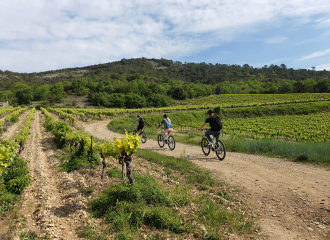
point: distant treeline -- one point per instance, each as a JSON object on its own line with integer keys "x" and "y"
{"x": 161, "y": 68}
{"x": 142, "y": 82}
{"x": 135, "y": 90}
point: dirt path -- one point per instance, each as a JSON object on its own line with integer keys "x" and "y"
{"x": 52, "y": 203}
{"x": 14, "y": 128}
{"x": 291, "y": 200}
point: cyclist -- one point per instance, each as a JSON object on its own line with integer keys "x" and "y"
{"x": 216, "y": 126}
{"x": 140, "y": 127}
{"x": 168, "y": 128}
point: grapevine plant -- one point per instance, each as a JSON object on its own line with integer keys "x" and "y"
{"x": 121, "y": 148}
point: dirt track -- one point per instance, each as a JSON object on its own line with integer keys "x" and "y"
{"x": 292, "y": 200}
{"x": 52, "y": 203}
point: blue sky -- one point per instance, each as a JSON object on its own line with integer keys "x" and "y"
{"x": 41, "y": 35}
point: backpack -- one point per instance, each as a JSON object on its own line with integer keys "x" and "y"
{"x": 141, "y": 122}
{"x": 219, "y": 123}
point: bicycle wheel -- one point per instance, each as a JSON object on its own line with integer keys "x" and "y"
{"x": 221, "y": 151}
{"x": 161, "y": 140}
{"x": 171, "y": 142}
{"x": 205, "y": 146}
{"x": 144, "y": 137}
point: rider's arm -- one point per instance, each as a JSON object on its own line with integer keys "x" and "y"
{"x": 134, "y": 123}
{"x": 160, "y": 124}
{"x": 202, "y": 126}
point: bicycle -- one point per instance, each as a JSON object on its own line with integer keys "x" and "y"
{"x": 170, "y": 141}
{"x": 143, "y": 135}
{"x": 219, "y": 148}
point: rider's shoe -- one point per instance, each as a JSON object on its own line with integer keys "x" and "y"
{"x": 217, "y": 146}
{"x": 165, "y": 141}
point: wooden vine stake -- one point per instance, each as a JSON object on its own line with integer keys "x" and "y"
{"x": 91, "y": 150}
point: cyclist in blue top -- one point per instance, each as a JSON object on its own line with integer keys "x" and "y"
{"x": 168, "y": 128}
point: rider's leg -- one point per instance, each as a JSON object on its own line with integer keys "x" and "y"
{"x": 207, "y": 135}
{"x": 217, "y": 135}
{"x": 168, "y": 131}
{"x": 165, "y": 133}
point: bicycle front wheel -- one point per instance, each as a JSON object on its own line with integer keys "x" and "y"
{"x": 205, "y": 146}
{"x": 143, "y": 137}
{"x": 161, "y": 140}
{"x": 171, "y": 142}
{"x": 221, "y": 151}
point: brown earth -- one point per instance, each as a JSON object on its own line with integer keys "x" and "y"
{"x": 291, "y": 199}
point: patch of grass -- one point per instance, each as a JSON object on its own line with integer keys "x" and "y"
{"x": 114, "y": 172}
{"x": 123, "y": 236}
{"x": 195, "y": 175}
{"x": 154, "y": 205}
{"x": 216, "y": 217}
{"x": 29, "y": 236}
{"x": 87, "y": 191}
{"x": 308, "y": 152}
{"x": 224, "y": 195}
{"x": 89, "y": 233}
{"x": 78, "y": 159}
{"x": 126, "y": 208}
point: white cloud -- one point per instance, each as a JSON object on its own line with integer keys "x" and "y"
{"x": 40, "y": 35}
{"x": 316, "y": 54}
{"x": 322, "y": 67}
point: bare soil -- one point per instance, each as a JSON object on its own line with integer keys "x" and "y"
{"x": 292, "y": 200}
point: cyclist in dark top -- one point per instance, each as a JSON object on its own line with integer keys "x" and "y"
{"x": 140, "y": 127}
{"x": 215, "y": 127}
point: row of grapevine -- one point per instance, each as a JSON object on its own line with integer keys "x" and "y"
{"x": 63, "y": 115}
{"x": 311, "y": 127}
{"x": 226, "y": 101}
{"x": 246, "y": 100}
{"x": 6, "y": 109}
{"x": 13, "y": 117}
{"x": 23, "y": 134}
{"x": 126, "y": 145}
{"x": 8, "y": 149}
{"x": 7, "y": 154}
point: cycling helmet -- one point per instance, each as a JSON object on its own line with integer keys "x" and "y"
{"x": 165, "y": 115}
{"x": 210, "y": 111}
{"x": 138, "y": 116}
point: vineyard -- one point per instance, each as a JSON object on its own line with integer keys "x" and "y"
{"x": 225, "y": 101}
{"x": 312, "y": 127}
{"x": 201, "y": 200}
{"x": 245, "y": 100}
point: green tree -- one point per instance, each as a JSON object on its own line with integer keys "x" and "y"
{"x": 24, "y": 95}
{"x": 58, "y": 92}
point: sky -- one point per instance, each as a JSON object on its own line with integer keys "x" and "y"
{"x": 41, "y": 35}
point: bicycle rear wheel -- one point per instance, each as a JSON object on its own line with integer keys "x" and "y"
{"x": 205, "y": 146}
{"x": 221, "y": 151}
{"x": 171, "y": 142}
{"x": 161, "y": 140}
{"x": 144, "y": 137}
